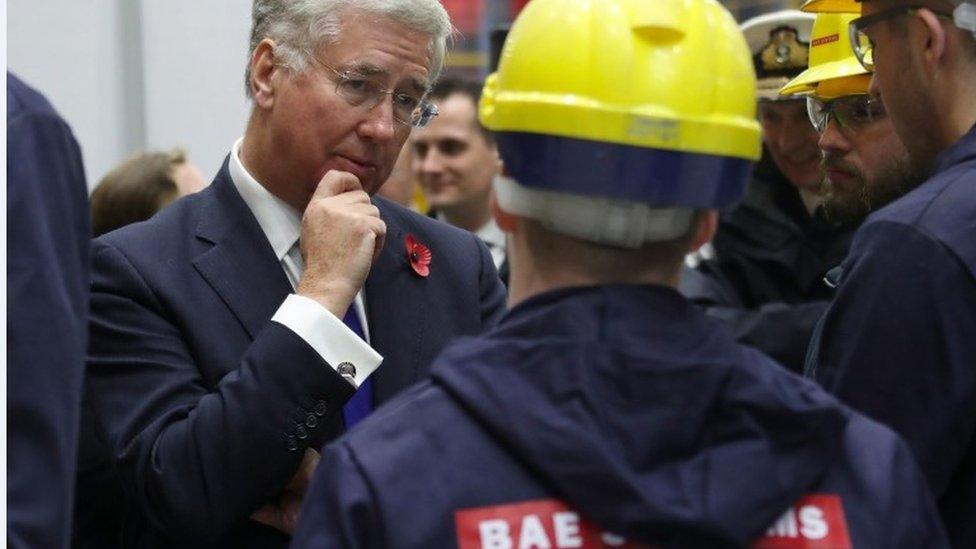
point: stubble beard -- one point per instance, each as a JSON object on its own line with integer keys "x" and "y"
{"x": 850, "y": 206}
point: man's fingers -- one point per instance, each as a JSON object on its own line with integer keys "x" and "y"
{"x": 378, "y": 244}
{"x": 366, "y": 209}
{"x": 269, "y": 515}
{"x": 291, "y": 506}
{"x": 306, "y": 470}
{"x": 335, "y": 183}
{"x": 283, "y": 516}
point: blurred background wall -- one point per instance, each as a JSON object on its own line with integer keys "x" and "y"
{"x": 135, "y": 74}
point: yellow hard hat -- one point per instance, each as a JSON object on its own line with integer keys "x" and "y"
{"x": 834, "y": 70}
{"x": 831, "y": 6}
{"x": 651, "y": 102}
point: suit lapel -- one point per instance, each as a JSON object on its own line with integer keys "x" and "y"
{"x": 240, "y": 265}
{"x": 394, "y": 309}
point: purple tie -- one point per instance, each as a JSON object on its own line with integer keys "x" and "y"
{"x": 361, "y": 403}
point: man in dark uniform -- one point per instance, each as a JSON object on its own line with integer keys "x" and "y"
{"x": 763, "y": 274}
{"x": 898, "y": 343}
{"x": 47, "y": 308}
{"x": 605, "y": 406}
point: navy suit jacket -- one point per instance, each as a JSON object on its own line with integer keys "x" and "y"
{"x": 47, "y": 308}
{"x": 197, "y": 393}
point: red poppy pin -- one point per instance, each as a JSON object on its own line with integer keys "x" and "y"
{"x": 419, "y": 256}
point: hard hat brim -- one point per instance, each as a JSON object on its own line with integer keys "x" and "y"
{"x": 842, "y": 87}
{"x": 831, "y": 6}
{"x": 808, "y": 81}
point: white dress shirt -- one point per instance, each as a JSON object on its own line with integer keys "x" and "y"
{"x": 493, "y": 237}
{"x": 321, "y": 329}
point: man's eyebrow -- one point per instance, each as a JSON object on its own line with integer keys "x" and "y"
{"x": 364, "y": 69}
{"x": 419, "y": 85}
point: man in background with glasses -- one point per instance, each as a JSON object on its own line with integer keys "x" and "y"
{"x": 236, "y": 332}
{"x": 899, "y": 342}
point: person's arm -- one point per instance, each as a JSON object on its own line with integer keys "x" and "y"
{"x": 196, "y": 461}
{"x": 780, "y": 330}
{"x": 47, "y": 305}
{"x": 200, "y": 456}
{"x": 898, "y": 344}
{"x": 912, "y": 517}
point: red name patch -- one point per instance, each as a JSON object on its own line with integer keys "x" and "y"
{"x": 816, "y": 521}
{"x": 825, "y": 40}
{"x": 537, "y": 524}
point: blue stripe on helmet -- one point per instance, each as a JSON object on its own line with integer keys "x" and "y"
{"x": 659, "y": 178}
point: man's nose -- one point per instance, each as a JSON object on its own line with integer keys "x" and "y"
{"x": 432, "y": 161}
{"x": 833, "y": 139}
{"x": 379, "y": 124}
{"x": 874, "y": 89}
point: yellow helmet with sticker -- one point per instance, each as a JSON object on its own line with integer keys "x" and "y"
{"x": 834, "y": 70}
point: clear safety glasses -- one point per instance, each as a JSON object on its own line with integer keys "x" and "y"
{"x": 854, "y": 112}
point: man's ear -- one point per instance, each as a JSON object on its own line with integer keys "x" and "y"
{"x": 262, "y": 73}
{"x": 934, "y": 40}
{"x": 705, "y": 227}
{"x": 506, "y": 221}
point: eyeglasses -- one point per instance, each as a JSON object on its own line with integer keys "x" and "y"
{"x": 854, "y": 112}
{"x": 408, "y": 109}
{"x": 862, "y": 44}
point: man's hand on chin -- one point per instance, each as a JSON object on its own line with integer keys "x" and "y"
{"x": 283, "y": 513}
{"x": 342, "y": 234}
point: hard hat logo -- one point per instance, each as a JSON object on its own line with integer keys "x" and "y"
{"x": 666, "y": 132}
{"x": 784, "y": 52}
{"x": 824, "y": 40}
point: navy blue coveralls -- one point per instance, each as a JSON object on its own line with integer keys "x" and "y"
{"x": 899, "y": 342}
{"x": 595, "y": 414}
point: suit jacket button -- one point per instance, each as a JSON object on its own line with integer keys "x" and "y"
{"x": 321, "y": 408}
{"x": 301, "y": 432}
{"x": 311, "y": 421}
{"x": 346, "y": 370}
{"x": 291, "y": 443}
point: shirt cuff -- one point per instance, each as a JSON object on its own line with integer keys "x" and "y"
{"x": 329, "y": 336}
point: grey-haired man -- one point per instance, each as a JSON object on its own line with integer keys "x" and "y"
{"x": 240, "y": 329}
